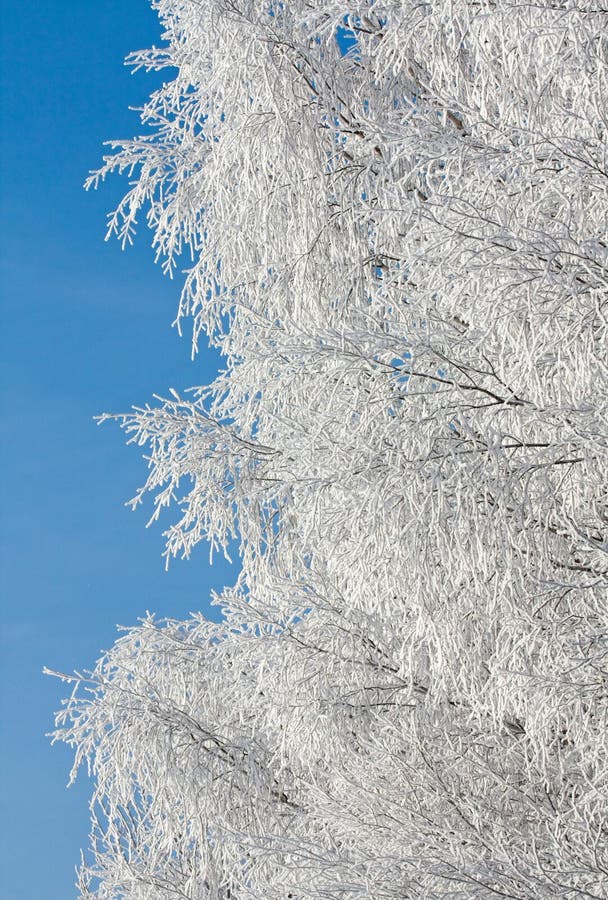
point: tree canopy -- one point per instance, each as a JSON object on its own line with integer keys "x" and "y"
{"x": 395, "y": 216}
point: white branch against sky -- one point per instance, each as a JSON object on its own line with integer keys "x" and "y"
{"x": 402, "y": 252}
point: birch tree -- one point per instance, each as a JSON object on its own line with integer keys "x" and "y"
{"x": 395, "y": 220}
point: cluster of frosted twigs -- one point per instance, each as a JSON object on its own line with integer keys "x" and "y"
{"x": 396, "y": 219}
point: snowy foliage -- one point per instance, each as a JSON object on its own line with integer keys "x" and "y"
{"x": 396, "y": 215}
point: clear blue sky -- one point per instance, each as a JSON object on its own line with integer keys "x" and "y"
{"x": 85, "y": 329}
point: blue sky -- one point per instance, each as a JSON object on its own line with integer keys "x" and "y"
{"x": 85, "y": 329}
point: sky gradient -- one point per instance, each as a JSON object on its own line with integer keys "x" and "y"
{"x": 85, "y": 329}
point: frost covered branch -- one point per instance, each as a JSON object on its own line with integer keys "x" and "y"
{"x": 402, "y": 252}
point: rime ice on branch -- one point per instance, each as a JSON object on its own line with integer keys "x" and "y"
{"x": 402, "y": 252}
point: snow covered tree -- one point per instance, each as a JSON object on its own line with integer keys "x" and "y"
{"x": 396, "y": 219}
